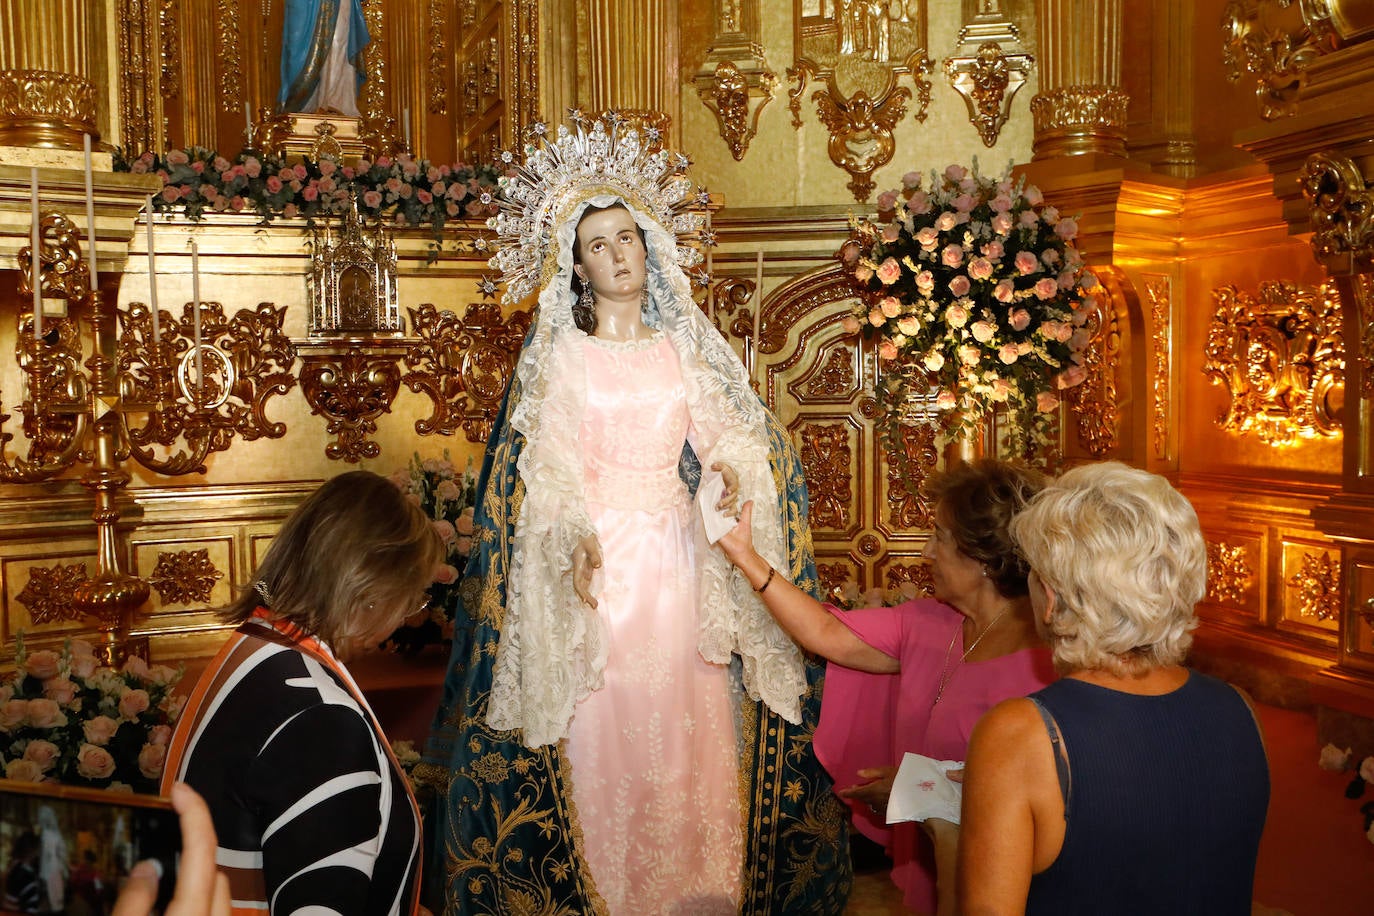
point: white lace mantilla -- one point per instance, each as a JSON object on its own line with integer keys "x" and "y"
{"x": 553, "y": 647}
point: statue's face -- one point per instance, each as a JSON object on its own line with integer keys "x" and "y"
{"x": 612, "y": 254}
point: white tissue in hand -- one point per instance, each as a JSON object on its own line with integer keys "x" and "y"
{"x": 921, "y": 790}
{"x": 711, "y": 491}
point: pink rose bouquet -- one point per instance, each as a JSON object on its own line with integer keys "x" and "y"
{"x": 989, "y": 291}
{"x": 65, "y": 717}
{"x": 446, "y": 495}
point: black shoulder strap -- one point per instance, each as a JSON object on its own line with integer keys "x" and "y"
{"x": 1061, "y": 760}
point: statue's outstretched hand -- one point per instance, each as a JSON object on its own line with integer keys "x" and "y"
{"x": 586, "y": 559}
{"x": 729, "y": 500}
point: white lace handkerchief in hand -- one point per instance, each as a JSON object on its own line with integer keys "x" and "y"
{"x": 921, "y": 790}
{"x": 710, "y": 492}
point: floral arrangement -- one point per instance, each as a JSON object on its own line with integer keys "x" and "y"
{"x": 1337, "y": 760}
{"x": 402, "y": 191}
{"x": 66, "y": 718}
{"x": 447, "y": 496}
{"x": 974, "y": 287}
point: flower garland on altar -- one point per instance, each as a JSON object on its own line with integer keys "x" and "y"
{"x": 401, "y": 191}
{"x": 66, "y": 718}
{"x": 974, "y": 287}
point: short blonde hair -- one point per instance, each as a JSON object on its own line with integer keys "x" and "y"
{"x": 1123, "y": 551}
{"x": 355, "y": 550}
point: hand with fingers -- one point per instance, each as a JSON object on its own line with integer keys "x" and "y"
{"x": 586, "y": 559}
{"x": 876, "y": 791}
{"x": 729, "y": 501}
{"x": 201, "y": 889}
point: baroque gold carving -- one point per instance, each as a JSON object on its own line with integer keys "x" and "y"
{"x": 48, "y": 595}
{"x": 436, "y": 74}
{"x": 836, "y": 378}
{"x": 917, "y": 574}
{"x": 988, "y": 82}
{"x": 1070, "y": 107}
{"x": 859, "y": 50}
{"x": 353, "y": 279}
{"x": 1318, "y": 584}
{"x": 906, "y": 502}
{"x": 41, "y": 107}
{"x": 833, "y": 578}
{"x": 1229, "y": 573}
{"x": 1281, "y": 358}
{"x": 350, "y": 390}
{"x": 1342, "y": 213}
{"x": 1267, "y": 39}
{"x": 1158, "y": 290}
{"x": 1095, "y": 404}
{"x": 827, "y": 463}
{"x": 737, "y": 97}
{"x": 230, "y": 63}
{"x": 137, "y": 64}
{"x": 462, "y": 365}
{"x": 184, "y": 576}
{"x": 169, "y": 49}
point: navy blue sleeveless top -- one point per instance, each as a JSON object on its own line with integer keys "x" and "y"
{"x": 1165, "y": 802}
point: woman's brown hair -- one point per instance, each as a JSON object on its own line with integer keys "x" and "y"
{"x": 353, "y": 552}
{"x": 976, "y": 503}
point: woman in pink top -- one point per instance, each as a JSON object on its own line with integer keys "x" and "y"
{"x": 916, "y": 677}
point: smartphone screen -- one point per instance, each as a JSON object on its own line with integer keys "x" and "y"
{"x": 67, "y": 849}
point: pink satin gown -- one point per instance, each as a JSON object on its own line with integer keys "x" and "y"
{"x": 653, "y": 754}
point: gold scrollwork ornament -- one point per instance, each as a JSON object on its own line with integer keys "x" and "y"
{"x": 184, "y": 576}
{"x": 1269, "y": 39}
{"x": 1229, "y": 573}
{"x": 1318, "y": 584}
{"x": 1341, "y": 211}
{"x": 988, "y": 82}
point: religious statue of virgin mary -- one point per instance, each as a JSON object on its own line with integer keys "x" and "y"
{"x": 624, "y": 728}
{"x": 322, "y": 56}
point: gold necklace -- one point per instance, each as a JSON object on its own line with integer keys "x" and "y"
{"x": 946, "y": 672}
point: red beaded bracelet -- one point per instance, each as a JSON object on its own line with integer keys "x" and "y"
{"x": 767, "y": 582}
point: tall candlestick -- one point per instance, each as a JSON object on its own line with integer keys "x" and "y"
{"x": 90, "y": 213}
{"x": 152, "y": 278}
{"x": 195, "y": 316}
{"x": 248, "y": 122}
{"x": 758, "y": 297}
{"x": 36, "y": 259}
{"x": 405, "y": 128}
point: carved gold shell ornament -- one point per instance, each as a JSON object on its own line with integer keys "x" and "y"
{"x": 988, "y": 81}
{"x": 1281, "y": 357}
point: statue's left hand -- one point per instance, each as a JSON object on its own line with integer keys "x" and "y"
{"x": 729, "y": 500}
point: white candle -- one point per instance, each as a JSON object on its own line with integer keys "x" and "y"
{"x": 90, "y": 212}
{"x": 152, "y": 278}
{"x": 405, "y": 128}
{"x": 35, "y": 259}
{"x": 195, "y": 316}
{"x": 758, "y": 296}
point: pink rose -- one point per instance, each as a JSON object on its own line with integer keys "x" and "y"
{"x": 136, "y": 666}
{"x": 1001, "y": 390}
{"x": 918, "y": 203}
{"x": 983, "y": 330}
{"x": 83, "y": 666}
{"x": 1004, "y": 291}
{"x": 911, "y": 180}
{"x": 12, "y": 714}
{"x": 463, "y": 546}
{"x": 1033, "y": 195}
{"x": 965, "y": 202}
{"x": 1078, "y": 339}
{"x": 887, "y": 349}
{"x": 890, "y": 307}
{"x": 327, "y": 167}
{"x": 99, "y": 730}
{"x": 952, "y": 256}
{"x": 44, "y": 713}
{"x": 170, "y": 194}
{"x": 1024, "y": 346}
{"x": 209, "y": 192}
{"x": 133, "y": 702}
{"x": 151, "y": 760}
{"x": 1070, "y": 377}
{"x": 928, "y": 237}
{"x": 887, "y": 201}
{"x": 959, "y": 286}
{"x": 372, "y": 199}
{"x": 94, "y": 762}
{"x": 980, "y": 268}
{"x": 1019, "y": 318}
{"x": 1046, "y": 401}
{"x": 60, "y": 690}
{"x": 1026, "y": 263}
{"x": 394, "y": 185}
{"x": 1066, "y": 280}
{"x": 77, "y": 647}
{"x": 1002, "y": 223}
{"x": 252, "y": 167}
{"x": 1001, "y": 203}
{"x": 448, "y": 491}
{"x": 946, "y": 221}
{"x": 160, "y": 734}
{"x": 891, "y": 231}
{"x": 934, "y": 361}
{"x": 956, "y": 316}
{"x": 445, "y": 574}
{"x": 1046, "y": 288}
{"x": 849, "y": 253}
{"x": 1028, "y": 219}
{"x": 300, "y": 171}
{"x": 1050, "y": 215}
{"x": 889, "y": 271}
{"x": 850, "y": 324}
{"x": 464, "y": 523}
{"x": 1049, "y": 257}
{"x": 327, "y": 185}
{"x": 1008, "y": 353}
{"x": 177, "y": 157}
{"x": 424, "y": 197}
{"x": 42, "y": 664}
{"x": 273, "y": 184}
{"x": 863, "y": 273}
{"x": 955, "y": 172}
{"x": 43, "y": 753}
{"x": 444, "y": 529}
{"x": 290, "y": 211}
{"x": 237, "y": 203}
{"x": 945, "y": 400}
{"x": 994, "y": 250}
{"x": 876, "y": 317}
{"x": 23, "y": 771}
{"x": 925, "y": 282}
{"x": 311, "y": 193}
{"x": 908, "y": 325}
{"x": 969, "y": 355}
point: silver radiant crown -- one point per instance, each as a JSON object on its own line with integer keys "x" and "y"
{"x": 602, "y": 156}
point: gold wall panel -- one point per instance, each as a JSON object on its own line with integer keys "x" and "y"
{"x": 188, "y": 576}
{"x": 1236, "y": 576}
{"x": 1311, "y": 576}
{"x": 46, "y": 609}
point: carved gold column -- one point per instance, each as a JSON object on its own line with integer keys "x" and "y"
{"x": 633, "y": 48}
{"x": 46, "y": 94}
{"x": 1080, "y": 108}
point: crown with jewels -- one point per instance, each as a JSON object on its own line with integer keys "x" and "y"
{"x": 594, "y": 157}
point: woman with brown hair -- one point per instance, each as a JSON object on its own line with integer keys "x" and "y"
{"x": 310, "y": 806}
{"x": 916, "y": 677}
